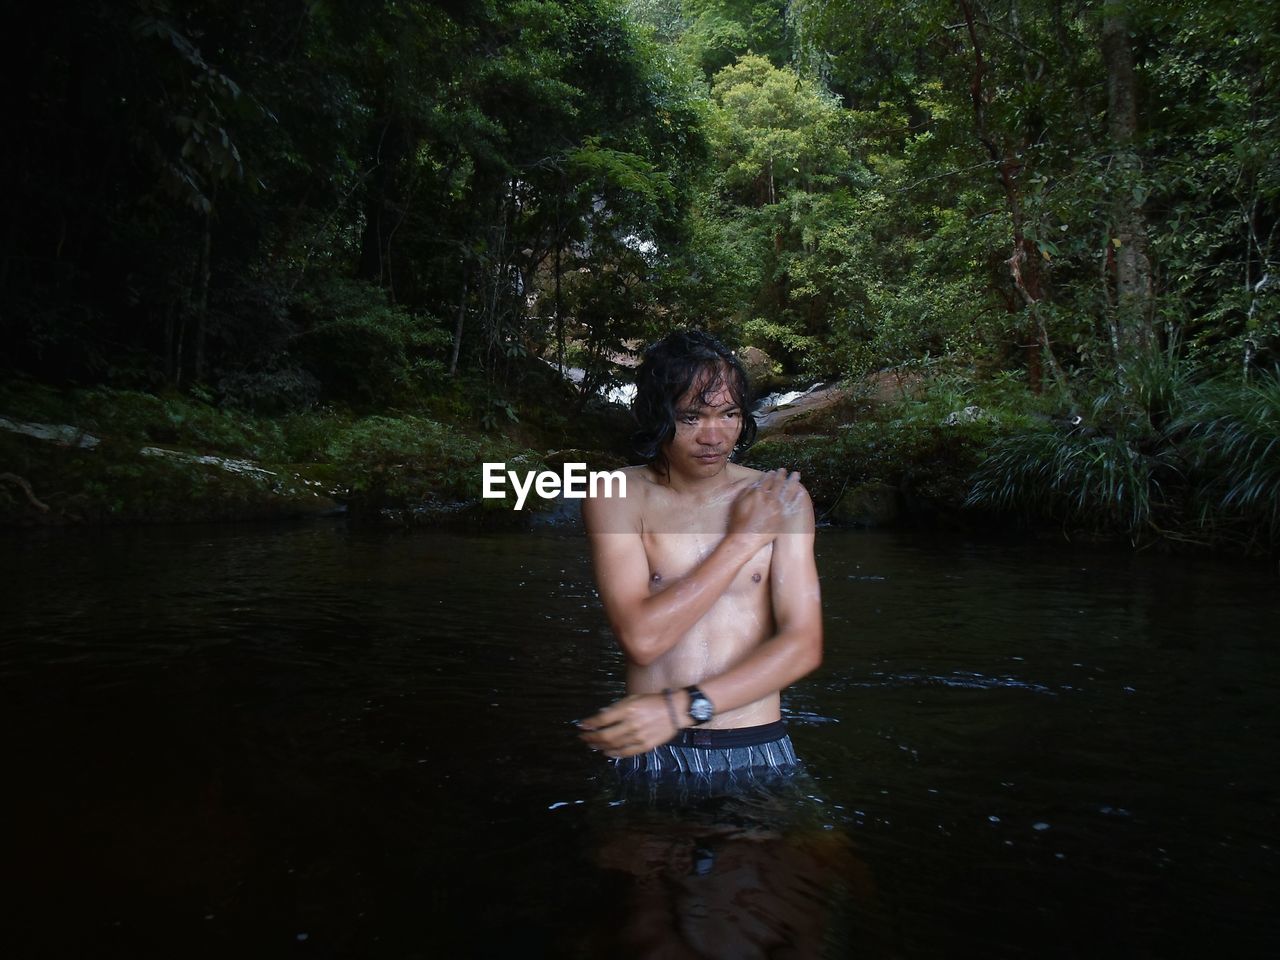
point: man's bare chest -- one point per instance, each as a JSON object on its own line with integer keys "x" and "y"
{"x": 674, "y": 555}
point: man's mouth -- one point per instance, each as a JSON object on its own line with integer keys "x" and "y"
{"x": 708, "y": 457}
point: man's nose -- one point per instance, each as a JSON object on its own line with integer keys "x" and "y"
{"x": 712, "y": 434}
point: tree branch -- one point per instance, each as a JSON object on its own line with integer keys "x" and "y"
{"x": 26, "y": 488}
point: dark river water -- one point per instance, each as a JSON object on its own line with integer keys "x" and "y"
{"x": 326, "y": 741}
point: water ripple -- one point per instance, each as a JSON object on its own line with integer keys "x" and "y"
{"x": 962, "y": 679}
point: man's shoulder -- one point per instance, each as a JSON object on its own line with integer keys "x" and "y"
{"x": 740, "y": 474}
{"x": 619, "y": 514}
{"x": 751, "y": 475}
{"x": 640, "y": 479}
{"x": 799, "y": 512}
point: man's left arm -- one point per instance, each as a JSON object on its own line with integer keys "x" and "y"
{"x": 795, "y": 649}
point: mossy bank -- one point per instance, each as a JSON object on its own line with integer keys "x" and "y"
{"x": 106, "y": 456}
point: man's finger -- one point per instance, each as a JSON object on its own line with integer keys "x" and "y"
{"x": 604, "y": 718}
{"x": 599, "y": 726}
{"x": 608, "y": 734}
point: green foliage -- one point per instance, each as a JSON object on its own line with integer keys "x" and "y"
{"x": 406, "y": 459}
{"x": 1214, "y": 84}
{"x": 1229, "y": 436}
{"x": 764, "y": 250}
{"x": 1160, "y": 453}
{"x": 778, "y": 338}
{"x": 922, "y": 444}
{"x": 198, "y": 102}
{"x": 170, "y": 419}
{"x": 1106, "y": 470}
{"x": 1101, "y": 484}
{"x": 1203, "y": 182}
{"x": 375, "y": 462}
{"x": 241, "y": 210}
{"x": 717, "y": 32}
{"x": 439, "y": 153}
{"x": 624, "y": 171}
{"x": 366, "y": 351}
{"x": 772, "y": 132}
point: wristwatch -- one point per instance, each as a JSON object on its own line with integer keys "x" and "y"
{"x": 700, "y": 708}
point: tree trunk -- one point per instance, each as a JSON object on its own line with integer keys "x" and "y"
{"x": 1024, "y": 261}
{"x": 457, "y": 329}
{"x": 202, "y": 293}
{"x": 1132, "y": 325}
{"x": 559, "y": 305}
{"x": 170, "y": 328}
{"x": 380, "y": 201}
{"x": 179, "y": 348}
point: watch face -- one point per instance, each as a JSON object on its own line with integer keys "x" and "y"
{"x": 700, "y": 709}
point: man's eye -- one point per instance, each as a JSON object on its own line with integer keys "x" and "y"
{"x": 689, "y": 419}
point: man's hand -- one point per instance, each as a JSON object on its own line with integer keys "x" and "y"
{"x": 634, "y": 725}
{"x": 762, "y": 508}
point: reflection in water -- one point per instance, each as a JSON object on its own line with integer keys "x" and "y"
{"x": 750, "y": 875}
{"x": 223, "y": 739}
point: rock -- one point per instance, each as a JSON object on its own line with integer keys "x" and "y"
{"x": 764, "y": 372}
{"x": 560, "y": 512}
{"x": 244, "y": 468}
{"x": 868, "y": 505}
{"x": 758, "y": 364}
{"x": 818, "y": 397}
{"x": 970, "y": 414}
{"x": 60, "y": 433}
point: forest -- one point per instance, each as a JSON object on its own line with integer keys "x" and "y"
{"x": 352, "y": 243}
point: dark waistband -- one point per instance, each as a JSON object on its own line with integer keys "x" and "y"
{"x": 729, "y": 737}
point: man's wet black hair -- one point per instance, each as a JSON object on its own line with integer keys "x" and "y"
{"x": 668, "y": 370}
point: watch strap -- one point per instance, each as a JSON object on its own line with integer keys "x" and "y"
{"x": 671, "y": 708}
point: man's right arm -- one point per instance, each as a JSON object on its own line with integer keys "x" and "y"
{"x": 649, "y": 624}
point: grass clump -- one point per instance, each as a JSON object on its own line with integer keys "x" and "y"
{"x": 1155, "y": 455}
{"x": 1228, "y": 433}
{"x": 1091, "y": 482}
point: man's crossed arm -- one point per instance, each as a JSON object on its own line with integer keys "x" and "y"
{"x": 774, "y": 509}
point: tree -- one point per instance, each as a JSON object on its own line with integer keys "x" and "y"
{"x": 1131, "y": 332}
{"x": 780, "y": 149}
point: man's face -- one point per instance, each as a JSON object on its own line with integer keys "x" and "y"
{"x": 705, "y": 432}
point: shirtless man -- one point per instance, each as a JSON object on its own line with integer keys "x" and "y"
{"x": 707, "y": 575}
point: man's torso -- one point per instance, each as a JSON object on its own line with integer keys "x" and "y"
{"x": 679, "y": 532}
